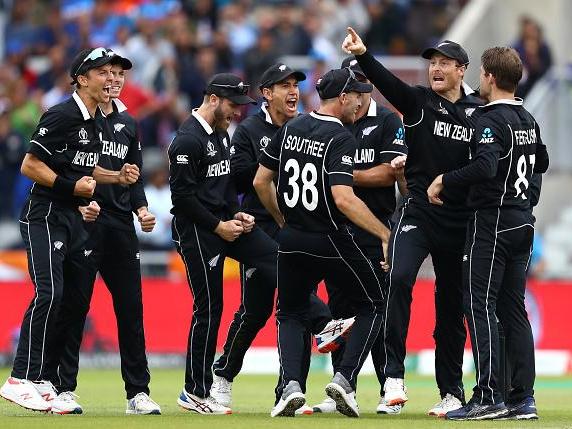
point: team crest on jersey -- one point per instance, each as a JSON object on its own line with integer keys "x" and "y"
{"x": 118, "y": 127}
{"x": 487, "y": 136}
{"x": 86, "y": 253}
{"x": 43, "y": 131}
{"x": 225, "y": 143}
{"x": 399, "y": 137}
{"x": 367, "y": 131}
{"x": 232, "y": 150}
{"x": 83, "y": 136}
{"x": 469, "y": 111}
{"x": 347, "y": 160}
{"x": 211, "y": 151}
{"x": 249, "y": 272}
{"x": 442, "y": 110}
{"x": 407, "y": 228}
{"x": 264, "y": 141}
{"x": 58, "y": 245}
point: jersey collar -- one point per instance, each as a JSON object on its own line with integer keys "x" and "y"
{"x": 372, "y": 109}
{"x": 202, "y": 121}
{"x": 326, "y": 118}
{"x": 267, "y": 116}
{"x": 516, "y": 102}
{"x": 467, "y": 88}
{"x": 81, "y": 105}
{"x": 121, "y": 107}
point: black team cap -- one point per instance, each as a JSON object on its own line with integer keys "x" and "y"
{"x": 338, "y": 81}
{"x": 450, "y": 49}
{"x": 93, "y": 58}
{"x": 352, "y": 63}
{"x": 228, "y": 85}
{"x": 277, "y": 73}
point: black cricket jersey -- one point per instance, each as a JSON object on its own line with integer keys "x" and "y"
{"x": 380, "y": 138}
{"x": 311, "y": 153}
{"x": 250, "y": 137}
{"x": 117, "y": 202}
{"x": 509, "y": 150}
{"x": 67, "y": 139}
{"x": 200, "y": 181}
{"x": 437, "y": 132}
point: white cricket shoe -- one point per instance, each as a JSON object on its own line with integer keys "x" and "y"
{"x": 328, "y": 405}
{"x": 65, "y": 403}
{"x": 344, "y": 396}
{"x": 304, "y": 410}
{"x": 448, "y": 403}
{"x": 142, "y": 404}
{"x": 46, "y": 390}
{"x": 292, "y": 399}
{"x": 206, "y": 405}
{"x": 395, "y": 391}
{"x": 221, "y": 390}
{"x": 23, "y": 393}
{"x": 334, "y": 334}
{"x": 384, "y": 408}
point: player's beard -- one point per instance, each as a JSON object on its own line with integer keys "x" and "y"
{"x": 220, "y": 121}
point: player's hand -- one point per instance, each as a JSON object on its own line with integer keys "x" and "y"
{"x": 146, "y": 219}
{"x": 247, "y": 221}
{"x": 128, "y": 174}
{"x": 385, "y": 262}
{"x": 229, "y": 230}
{"x": 84, "y": 187}
{"x": 90, "y": 212}
{"x": 435, "y": 189}
{"x": 398, "y": 162}
{"x": 353, "y": 44}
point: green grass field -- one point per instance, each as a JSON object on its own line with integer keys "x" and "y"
{"x": 102, "y": 397}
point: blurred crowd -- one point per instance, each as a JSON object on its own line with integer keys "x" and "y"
{"x": 175, "y": 46}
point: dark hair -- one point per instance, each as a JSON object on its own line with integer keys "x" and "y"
{"x": 505, "y": 65}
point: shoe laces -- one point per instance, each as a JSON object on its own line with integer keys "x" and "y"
{"x": 143, "y": 399}
{"x": 67, "y": 396}
{"x": 213, "y": 403}
{"x": 394, "y": 383}
{"x": 223, "y": 385}
{"x": 447, "y": 401}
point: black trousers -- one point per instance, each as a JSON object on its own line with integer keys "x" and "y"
{"x": 304, "y": 259}
{"x": 114, "y": 253}
{"x": 498, "y": 248}
{"x": 256, "y": 306}
{"x": 420, "y": 231}
{"x": 203, "y": 253}
{"x": 342, "y": 308}
{"x": 54, "y": 238}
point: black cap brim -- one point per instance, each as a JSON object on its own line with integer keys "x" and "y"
{"x": 357, "y": 86}
{"x": 429, "y": 52}
{"x": 122, "y": 61}
{"x": 240, "y": 99}
{"x": 296, "y": 74}
{"x": 88, "y": 65}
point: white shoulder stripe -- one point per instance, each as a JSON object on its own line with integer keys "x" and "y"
{"x": 41, "y": 145}
{"x": 418, "y": 122}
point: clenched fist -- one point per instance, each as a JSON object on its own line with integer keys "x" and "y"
{"x": 84, "y": 187}
{"x": 129, "y": 174}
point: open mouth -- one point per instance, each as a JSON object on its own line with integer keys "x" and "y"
{"x": 107, "y": 89}
{"x": 438, "y": 79}
{"x": 291, "y": 103}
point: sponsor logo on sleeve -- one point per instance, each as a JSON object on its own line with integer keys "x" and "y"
{"x": 182, "y": 159}
{"x": 487, "y": 136}
{"x": 43, "y": 131}
{"x": 347, "y": 160}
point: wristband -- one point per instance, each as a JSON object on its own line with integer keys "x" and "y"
{"x": 63, "y": 186}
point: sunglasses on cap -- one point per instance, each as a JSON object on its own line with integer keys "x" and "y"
{"x": 94, "y": 55}
{"x": 241, "y": 87}
{"x": 351, "y": 77}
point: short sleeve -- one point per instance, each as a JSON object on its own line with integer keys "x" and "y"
{"x": 270, "y": 155}
{"x": 392, "y": 139}
{"x": 339, "y": 162}
{"x": 49, "y": 135}
{"x": 185, "y": 156}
